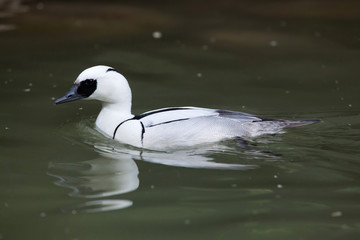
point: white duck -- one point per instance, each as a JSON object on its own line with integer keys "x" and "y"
{"x": 167, "y": 127}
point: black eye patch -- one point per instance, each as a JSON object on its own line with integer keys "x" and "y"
{"x": 87, "y": 87}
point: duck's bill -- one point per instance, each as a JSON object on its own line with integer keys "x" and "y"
{"x": 70, "y": 96}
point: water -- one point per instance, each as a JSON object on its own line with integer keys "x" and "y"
{"x": 60, "y": 179}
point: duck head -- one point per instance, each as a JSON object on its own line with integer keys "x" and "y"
{"x": 101, "y": 83}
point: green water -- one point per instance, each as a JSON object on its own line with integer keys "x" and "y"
{"x": 60, "y": 179}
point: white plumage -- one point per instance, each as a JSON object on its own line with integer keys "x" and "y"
{"x": 166, "y": 127}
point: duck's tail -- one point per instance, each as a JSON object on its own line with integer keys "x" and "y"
{"x": 281, "y": 123}
{"x": 289, "y": 123}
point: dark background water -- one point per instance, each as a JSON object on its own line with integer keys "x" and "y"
{"x": 60, "y": 179}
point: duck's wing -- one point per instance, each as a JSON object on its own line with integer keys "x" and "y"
{"x": 186, "y": 126}
{"x": 175, "y": 114}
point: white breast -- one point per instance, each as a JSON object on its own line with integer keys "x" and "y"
{"x": 130, "y": 132}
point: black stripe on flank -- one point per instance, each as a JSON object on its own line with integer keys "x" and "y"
{"x": 159, "y": 111}
{"x": 177, "y": 120}
{"x": 142, "y": 133}
{"x": 120, "y": 125}
{"x": 142, "y": 129}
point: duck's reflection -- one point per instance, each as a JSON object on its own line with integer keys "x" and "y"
{"x": 97, "y": 178}
{"x": 101, "y": 177}
{"x": 115, "y": 172}
{"x": 201, "y": 157}
{"x": 98, "y": 206}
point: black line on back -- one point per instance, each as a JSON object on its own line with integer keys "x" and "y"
{"x": 177, "y": 120}
{"x": 137, "y": 117}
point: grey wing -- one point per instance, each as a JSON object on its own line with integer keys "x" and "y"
{"x": 238, "y": 116}
{"x": 171, "y": 115}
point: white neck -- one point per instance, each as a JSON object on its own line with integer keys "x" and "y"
{"x": 114, "y": 92}
{"x": 111, "y": 115}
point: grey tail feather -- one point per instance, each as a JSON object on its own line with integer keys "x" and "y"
{"x": 299, "y": 123}
{"x": 289, "y": 123}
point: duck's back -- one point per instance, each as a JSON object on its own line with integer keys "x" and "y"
{"x": 187, "y": 126}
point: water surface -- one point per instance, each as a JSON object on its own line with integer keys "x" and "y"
{"x": 60, "y": 179}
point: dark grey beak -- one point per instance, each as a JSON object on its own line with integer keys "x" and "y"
{"x": 70, "y": 96}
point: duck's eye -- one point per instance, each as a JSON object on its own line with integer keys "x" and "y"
{"x": 87, "y": 87}
{"x": 89, "y": 82}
